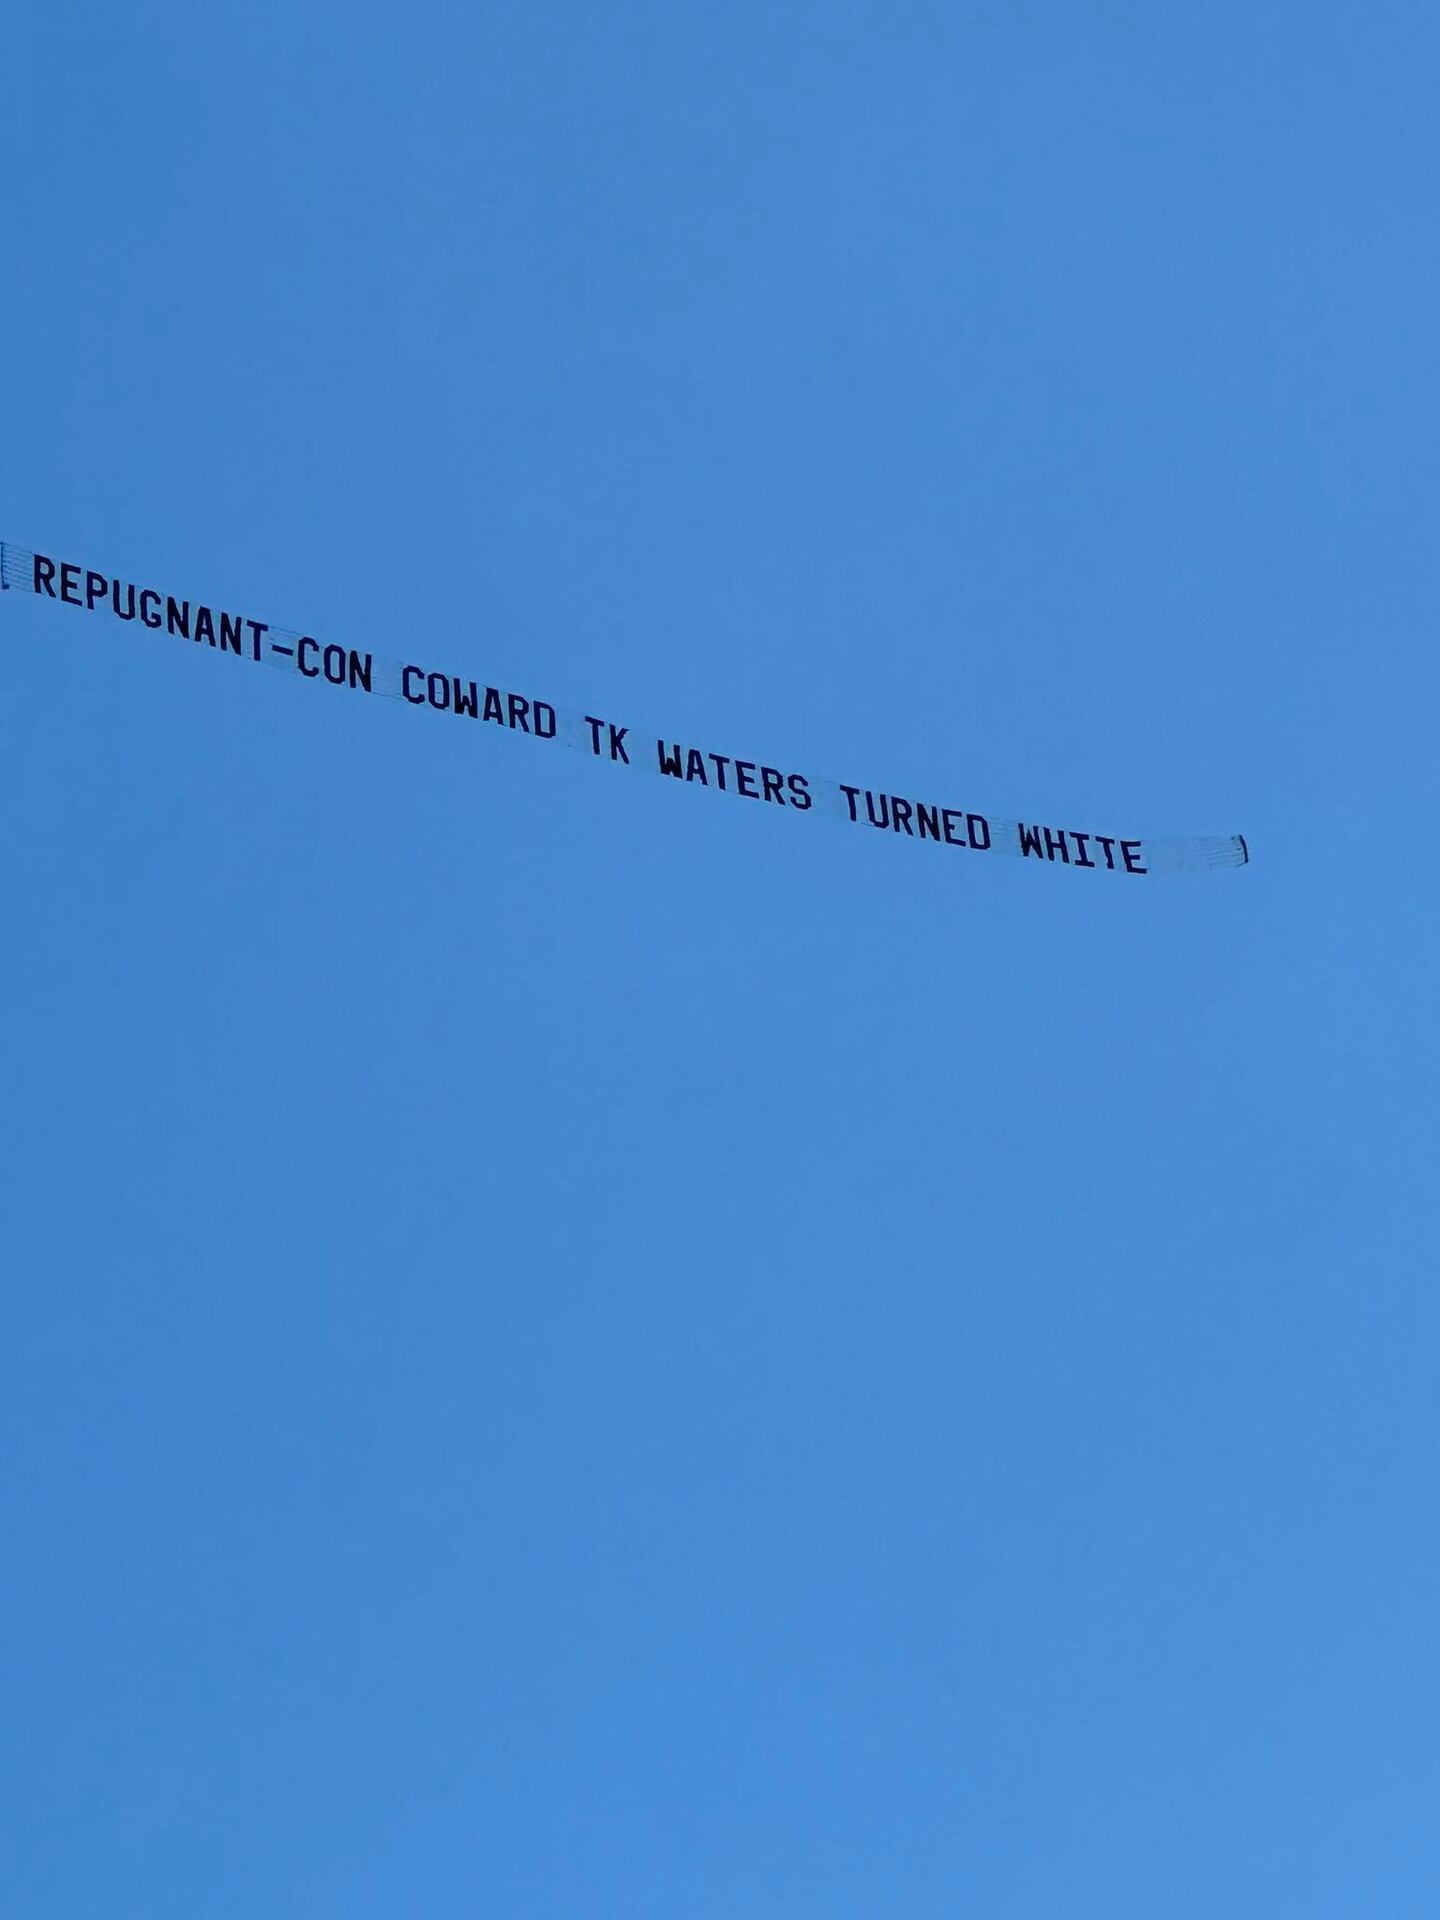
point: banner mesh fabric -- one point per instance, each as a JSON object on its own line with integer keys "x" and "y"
{"x": 418, "y": 683}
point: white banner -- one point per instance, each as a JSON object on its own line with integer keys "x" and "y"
{"x": 420, "y": 683}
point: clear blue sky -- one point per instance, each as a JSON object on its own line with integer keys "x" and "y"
{"x": 577, "y": 1348}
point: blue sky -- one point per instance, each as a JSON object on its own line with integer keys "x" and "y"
{"x": 574, "y": 1347}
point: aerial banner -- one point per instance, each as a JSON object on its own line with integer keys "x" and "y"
{"x": 437, "y": 690}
